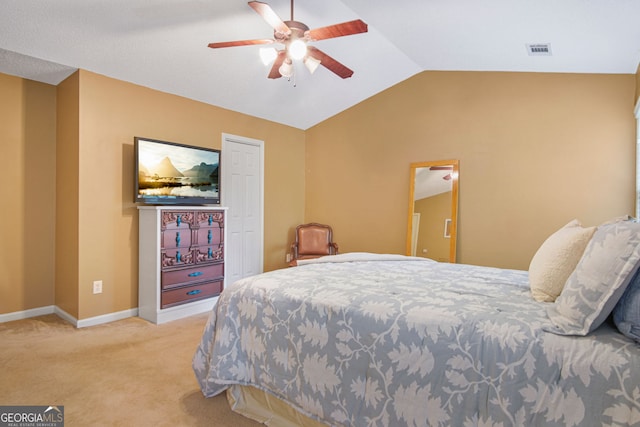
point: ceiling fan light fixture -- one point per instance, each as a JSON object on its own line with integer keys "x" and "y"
{"x": 294, "y": 35}
{"x": 297, "y": 49}
{"x": 311, "y": 64}
{"x": 286, "y": 69}
{"x": 268, "y": 55}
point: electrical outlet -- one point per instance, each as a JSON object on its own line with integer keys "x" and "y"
{"x": 97, "y": 286}
{"x": 287, "y": 257}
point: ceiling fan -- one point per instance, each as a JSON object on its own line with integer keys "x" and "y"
{"x": 446, "y": 177}
{"x": 296, "y": 37}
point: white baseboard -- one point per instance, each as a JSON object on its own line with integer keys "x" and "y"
{"x": 97, "y": 320}
{"x": 106, "y": 318}
{"x": 83, "y": 323}
{"x": 25, "y": 314}
{"x": 66, "y": 316}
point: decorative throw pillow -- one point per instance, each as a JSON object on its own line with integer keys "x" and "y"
{"x": 556, "y": 259}
{"x": 617, "y": 219}
{"x": 610, "y": 261}
{"x": 626, "y": 314}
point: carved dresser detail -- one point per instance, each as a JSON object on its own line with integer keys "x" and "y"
{"x": 182, "y": 260}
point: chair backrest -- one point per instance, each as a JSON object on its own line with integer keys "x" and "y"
{"x": 314, "y": 239}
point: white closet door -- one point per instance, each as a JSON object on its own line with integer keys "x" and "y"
{"x": 242, "y": 192}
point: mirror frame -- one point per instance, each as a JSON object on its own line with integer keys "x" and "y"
{"x": 454, "y": 202}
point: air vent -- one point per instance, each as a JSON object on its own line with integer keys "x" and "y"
{"x": 539, "y": 49}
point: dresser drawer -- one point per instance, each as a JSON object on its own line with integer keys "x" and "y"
{"x": 208, "y": 254}
{"x": 176, "y": 257}
{"x": 209, "y": 236}
{"x": 190, "y": 293}
{"x": 186, "y": 276}
{"x": 210, "y": 219}
{"x": 176, "y": 238}
{"x": 172, "y": 220}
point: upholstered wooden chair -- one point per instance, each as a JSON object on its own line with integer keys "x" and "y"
{"x": 313, "y": 240}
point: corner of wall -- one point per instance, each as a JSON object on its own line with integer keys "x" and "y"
{"x": 67, "y": 215}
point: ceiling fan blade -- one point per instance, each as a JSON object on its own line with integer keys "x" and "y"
{"x": 240, "y": 43}
{"x": 275, "y": 68}
{"x": 337, "y": 30}
{"x": 270, "y": 16}
{"x": 329, "y": 63}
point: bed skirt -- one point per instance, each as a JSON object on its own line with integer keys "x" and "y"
{"x": 267, "y": 409}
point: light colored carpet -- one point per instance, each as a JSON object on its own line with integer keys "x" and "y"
{"x": 125, "y": 373}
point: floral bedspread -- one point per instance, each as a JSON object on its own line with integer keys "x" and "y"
{"x": 396, "y": 341}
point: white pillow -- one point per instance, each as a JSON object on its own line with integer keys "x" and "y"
{"x": 556, "y": 259}
{"x": 610, "y": 261}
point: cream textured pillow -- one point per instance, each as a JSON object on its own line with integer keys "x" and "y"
{"x": 556, "y": 259}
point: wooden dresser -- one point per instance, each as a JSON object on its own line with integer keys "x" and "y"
{"x": 182, "y": 260}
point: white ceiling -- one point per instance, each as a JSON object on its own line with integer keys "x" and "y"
{"x": 428, "y": 183}
{"x": 162, "y": 44}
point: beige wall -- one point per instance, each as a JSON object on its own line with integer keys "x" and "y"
{"x": 67, "y": 202}
{"x": 111, "y": 114}
{"x": 536, "y": 150}
{"x": 95, "y": 221}
{"x": 27, "y": 233}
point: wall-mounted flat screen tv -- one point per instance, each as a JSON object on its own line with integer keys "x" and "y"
{"x": 177, "y": 174}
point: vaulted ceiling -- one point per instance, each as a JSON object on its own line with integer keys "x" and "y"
{"x": 162, "y": 44}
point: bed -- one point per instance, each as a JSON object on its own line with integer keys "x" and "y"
{"x": 386, "y": 340}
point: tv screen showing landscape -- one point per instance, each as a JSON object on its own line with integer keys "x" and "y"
{"x": 172, "y": 173}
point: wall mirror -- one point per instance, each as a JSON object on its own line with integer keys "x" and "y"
{"x": 433, "y": 210}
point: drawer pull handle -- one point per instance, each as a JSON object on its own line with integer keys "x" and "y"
{"x": 195, "y": 274}
{"x": 194, "y": 292}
